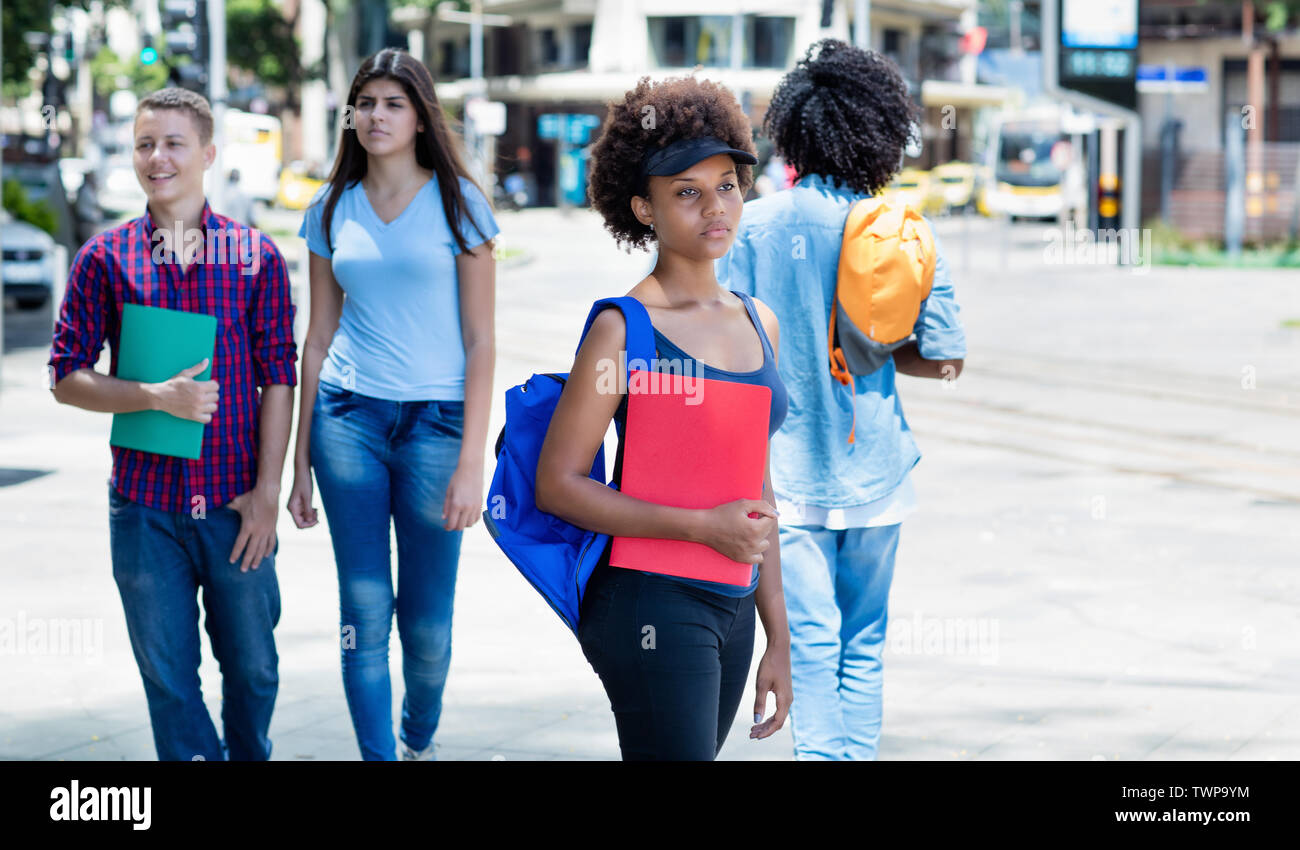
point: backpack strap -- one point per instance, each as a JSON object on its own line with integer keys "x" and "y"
{"x": 839, "y": 365}
{"x": 640, "y": 337}
{"x": 640, "y": 333}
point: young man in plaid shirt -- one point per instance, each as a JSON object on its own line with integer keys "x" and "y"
{"x": 177, "y": 526}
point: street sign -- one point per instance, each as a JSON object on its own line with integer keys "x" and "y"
{"x": 1172, "y": 79}
{"x": 548, "y": 125}
{"x": 1089, "y": 52}
{"x": 1098, "y": 49}
{"x": 973, "y": 41}
{"x": 1099, "y": 23}
{"x": 574, "y": 129}
{"x": 579, "y": 127}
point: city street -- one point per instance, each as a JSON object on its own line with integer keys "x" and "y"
{"x": 1105, "y": 563}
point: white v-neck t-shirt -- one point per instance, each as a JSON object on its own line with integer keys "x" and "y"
{"x": 399, "y": 333}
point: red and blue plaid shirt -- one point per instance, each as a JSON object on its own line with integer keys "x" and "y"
{"x": 240, "y": 278}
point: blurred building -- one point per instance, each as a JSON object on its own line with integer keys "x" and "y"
{"x": 575, "y": 56}
{"x": 1246, "y": 76}
{"x": 1208, "y": 34}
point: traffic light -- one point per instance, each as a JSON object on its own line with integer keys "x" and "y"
{"x": 148, "y": 53}
{"x": 62, "y": 42}
{"x": 185, "y": 40}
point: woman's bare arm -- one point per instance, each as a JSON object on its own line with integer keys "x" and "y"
{"x": 476, "y": 275}
{"x": 326, "y": 308}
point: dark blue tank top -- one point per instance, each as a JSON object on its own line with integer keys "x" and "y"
{"x": 765, "y": 375}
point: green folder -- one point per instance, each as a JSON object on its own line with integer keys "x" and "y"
{"x": 155, "y": 344}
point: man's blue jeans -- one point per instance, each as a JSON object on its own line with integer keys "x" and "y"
{"x": 837, "y": 597}
{"x": 161, "y": 562}
{"x": 377, "y": 462}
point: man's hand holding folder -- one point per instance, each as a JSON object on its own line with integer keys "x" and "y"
{"x": 157, "y": 347}
{"x": 185, "y": 398}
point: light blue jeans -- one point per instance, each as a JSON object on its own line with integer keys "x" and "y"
{"x": 836, "y": 587}
{"x": 378, "y": 461}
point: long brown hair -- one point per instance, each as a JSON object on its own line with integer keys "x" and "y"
{"x": 435, "y": 148}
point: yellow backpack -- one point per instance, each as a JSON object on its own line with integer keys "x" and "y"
{"x": 886, "y": 271}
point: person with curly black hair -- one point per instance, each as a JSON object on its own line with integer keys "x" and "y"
{"x": 843, "y": 113}
{"x": 842, "y": 117}
{"x": 669, "y": 171}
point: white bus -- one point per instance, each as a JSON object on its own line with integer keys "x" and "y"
{"x": 253, "y": 146}
{"x": 1032, "y": 165}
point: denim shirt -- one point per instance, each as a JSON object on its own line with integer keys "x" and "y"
{"x": 787, "y": 254}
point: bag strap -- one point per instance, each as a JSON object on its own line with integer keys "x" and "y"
{"x": 862, "y": 209}
{"x": 640, "y": 333}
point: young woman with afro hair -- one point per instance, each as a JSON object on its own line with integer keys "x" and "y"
{"x": 670, "y": 171}
{"x": 842, "y": 117}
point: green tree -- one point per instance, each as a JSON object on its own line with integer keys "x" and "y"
{"x": 260, "y": 39}
{"x": 108, "y": 71}
{"x": 22, "y": 208}
{"x": 20, "y": 19}
{"x": 1277, "y": 12}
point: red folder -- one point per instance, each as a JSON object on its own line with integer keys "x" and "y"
{"x": 691, "y": 443}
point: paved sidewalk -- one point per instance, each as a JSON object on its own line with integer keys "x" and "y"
{"x": 1105, "y": 562}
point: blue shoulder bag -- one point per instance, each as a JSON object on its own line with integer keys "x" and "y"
{"x": 555, "y": 556}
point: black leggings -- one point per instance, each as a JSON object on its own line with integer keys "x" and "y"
{"x": 673, "y": 659}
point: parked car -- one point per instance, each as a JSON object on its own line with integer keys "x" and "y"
{"x": 910, "y": 188}
{"x": 297, "y": 186}
{"x": 28, "y": 262}
{"x": 952, "y": 186}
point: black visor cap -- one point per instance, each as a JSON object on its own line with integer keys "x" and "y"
{"x": 683, "y": 153}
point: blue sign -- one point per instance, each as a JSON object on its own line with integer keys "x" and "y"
{"x": 548, "y": 125}
{"x": 573, "y": 176}
{"x": 1165, "y": 74}
{"x": 1172, "y": 80}
{"x": 578, "y": 130}
{"x": 574, "y": 129}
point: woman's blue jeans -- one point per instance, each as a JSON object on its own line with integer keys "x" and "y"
{"x": 377, "y": 461}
